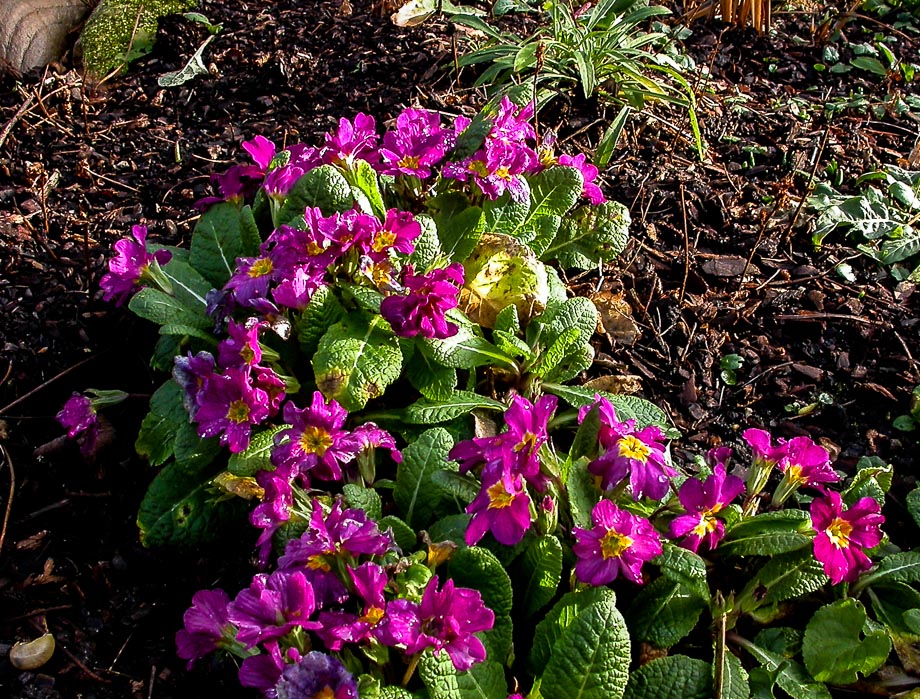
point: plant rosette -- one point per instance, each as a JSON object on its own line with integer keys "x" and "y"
{"x": 371, "y": 358}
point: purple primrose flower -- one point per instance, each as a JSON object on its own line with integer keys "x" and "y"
{"x": 339, "y": 627}
{"x": 702, "y": 501}
{"x": 261, "y": 150}
{"x": 502, "y": 507}
{"x": 271, "y": 606}
{"x": 242, "y": 347}
{"x": 421, "y": 311}
{"x": 229, "y": 405}
{"x": 192, "y": 374}
{"x": 444, "y": 620}
{"x": 80, "y": 420}
{"x": 250, "y": 281}
{"x": 843, "y": 534}
{"x": 352, "y": 141}
{"x": 417, "y": 144}
{"x": 130, "y": 266}
{"x": 589, "y": 172}
{"x": 316, "y": 676}
{"x": 206, "y": 626}
{"x": 619, "y": 542}
{"x": 274, "y": 510}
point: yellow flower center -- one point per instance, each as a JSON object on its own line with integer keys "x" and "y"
{"x": 477, "y": 167}
{"x": 503, "y": 173}
{"x": 383, "y": 240}
{"x": 499, "y": 497}
{"x": 614, "y": 544}
{"x": 238, "y": 412}
{"x": 326, "y": 692}
{"x": 314, "y": 248}
{"x": 318, "y": 562}
{"x": 839, "y": 533}
{"x": 794, "y": 474}
{"x": 706, "y": 525}
{"x": 372, "y": 616}
{"x": 248, "y": 354}
{"x": 260, "y": 268}
{"x": 633, "y": 448}
{"x": 315, "y": 440}
{"x": 410, "y": 162}
{"x": 527, "y": 444}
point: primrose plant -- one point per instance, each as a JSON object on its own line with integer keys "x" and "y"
{"x": 372, "y": 360}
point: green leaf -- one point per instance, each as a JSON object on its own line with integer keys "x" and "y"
{"x": 257, "y": 456}
{"x": 356, "y": 360}
{"x": 178, "y": 509}
{"x": 872, "y": 479}
{"x": 503, "y": 215}
{"x": 583, "y": 493}
{"x": 366, "y": 181}
{"x": 556, "y": 353}
{"x": 189, "y": 287}
{"x": 167, "y": 417}
{"x": 464, "y": 488}
{"x": 466, "y": 349}
{"x": 663, "y": 613}
{"x": 590, "y": 659}
{"x": 482, "y": 681}
{"x": 427, "y": 245}
{"x": 578, "y": 312}
{"x": 767, "y": 533}
{"x": 479, "y": 569}
{"x": 789, "y": 675}
{"x": 250, "y": 238}
{"x": 403, "y": 535}
{"x": 899, "y": 567}
{"x": 903, "y": 244}
{"x": 459, "y": 232}
{"x": 192, "y": 450}
{"x": 834, "y": 649}
{"x": 508, "y": 321}
{"x": 589, "y": 235}
{"x": 783, "y": 577}
{"x": 324, "y": 187}
{"x": 586, "y": 444}
{"x": 729, "y": 679}
{"x": 184, "y": 331}
{"x": 642, "y": 411}
{"x": 216, "y": 243}
{"x": 160, "y": 308}
{"x": 321, "y": 313}
{"x": 913, "y": 505}
{"x": 686, "y": 567}
{"x": 555, "y": 623}
{"x": 362, "y": 498}
{"x": 426, "y": 411}
{"x": 873, "y": 65}
{"x": 415, "y": 494}
{"x": 671, "y": 677}
{"x": 552, "y": 193}
{"x": 433, "y": 380}
{"x": 540, "y": 568}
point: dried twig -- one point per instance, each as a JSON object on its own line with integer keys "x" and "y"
{"x": 9, "y": 502}
{"x": 38, "y": 388}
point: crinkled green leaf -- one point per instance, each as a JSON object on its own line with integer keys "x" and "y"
{"x": 482, "y": 681}
{"x": 555, "y": 623}
{"x": 479, "y": 569}
{"x": 514, "y": 346}
{"x": 913, "y": 505}
{"x": 540, "y": 568}
{"x": 467, "y": 349}
{"x": 427, "y": 245}
{"x": 257, "y": 456}
{"x": 183, "y": 331}
{"x": 789, "y": 675}
{"x": 642, "y": 411}
{"x": 590, "y": 659}
{"x": 415, "y": 493}
{"x": 578, "y": 312}
{"x": 729, "y": 678}
{"x": 192, "y": 450}
{"x": 426, "y": 411}
{"x": 834, "y": 648}
{"x": 365, "y": 297}
{"x": 503, "y": 215}
{"x": 579, "y": 358}
{"x": 556, "y": 353}
{"x": 167, "y": 417}
{"x": 165, "y": 351}
{"x": 685, "y": 567}
{"x": 403, "y": 534}
{"x": 356, "y": 360}
{"x": 433, "y": 380}
{"x": 362, "y": 498}
{"x": 459, "y": 232}
{"x": 582, "y": 491}
{"x": 451, "y": 528}
{"x": 324, "y": 187}
{"x": 671, "y": 677}
{"x": 216, "y": 243}
{"x": 321, "y": 313}
{"x": 783, "y": 577}
{"x": 178, "y": 509}
{"x": 589, "y": 235}
{"x": 552, "y": 192}
{"x": 663, "y": 613}
{"x": 872, "y": 479}
{"x": 161, "y": 308}
{"x": 899, "y": 567}
{"x": 464, "y": 488}
{"x": 508, "y": 321}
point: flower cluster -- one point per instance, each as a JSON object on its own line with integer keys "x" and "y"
{"x": 510, "y": 462}
{"x": 340, "y": 582}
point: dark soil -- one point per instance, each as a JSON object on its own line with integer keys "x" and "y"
{"x": 720, "y": 264}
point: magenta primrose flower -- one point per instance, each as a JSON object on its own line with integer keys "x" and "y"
{"x": 703, "y": 501}
{"x": 80, "y": 420}
{"x": 130, "y": 266}
{"x": 446, "y": 620}
{"x": 589, "y": 172}
{"x": 843, "y": 534}
{"x": 251, "y": 280}
{"x": 340, "y": 627}
{"x": 206, "y": 626}
{"x": 502, "y": 507}
{"x": 352, "y": 141}
{"x": 271, "y": 606}
{"x": 261, "y": 150}
{"x": 421, "y": 310}
{"x": 242, "y": 347}
{"x": 619, "y": 542}
{"x": 229, "y": 405}
{"x": 274, "y": 510}
{"x": 316, "y": 676}
{"x": 417, "y": 144}
{"x": 638, "y": 454}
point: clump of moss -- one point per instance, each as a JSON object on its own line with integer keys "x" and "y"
{"x": 107, "y": 37}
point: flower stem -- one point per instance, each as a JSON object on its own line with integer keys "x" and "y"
{"x": 413, "y": 663}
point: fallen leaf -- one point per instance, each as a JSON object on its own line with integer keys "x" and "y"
{"x": 628, "y": 383}
{"x": 615, "y": 318}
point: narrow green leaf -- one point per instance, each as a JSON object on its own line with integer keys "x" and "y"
{"x": 611, "y": 137}
{"x": 366, "y": 181}
{"x": 426, "y": 411}
{"x": 157, "y": 437}
{"x": 540, "y": 568}
{"x": 415, "y": 494}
